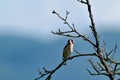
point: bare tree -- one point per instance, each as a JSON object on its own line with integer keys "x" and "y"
{"x": 106, "y": 64}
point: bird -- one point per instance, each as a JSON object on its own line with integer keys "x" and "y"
{"x": 68, "y": 49}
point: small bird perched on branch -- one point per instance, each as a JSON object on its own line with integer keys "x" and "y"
{"x": 68, "y": 49}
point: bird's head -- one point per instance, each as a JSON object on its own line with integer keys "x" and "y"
{"x": 70, "y": 41}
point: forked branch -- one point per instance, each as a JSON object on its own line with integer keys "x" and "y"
{"x": 106, "y": 64}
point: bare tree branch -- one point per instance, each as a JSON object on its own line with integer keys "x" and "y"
{"x": 64, "y": 19}
{"x": 94, "y": 66}
{"x": 50, "y": 73}
{"x": 72, "y": 30}
{"x": 106, "y": 64}
{"x": 96, "y": 73}
{"x": 98, "y": 50}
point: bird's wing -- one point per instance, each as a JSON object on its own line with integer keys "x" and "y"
{"x": 64, "y": 51}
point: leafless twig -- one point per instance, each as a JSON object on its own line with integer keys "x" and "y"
{"x": 106, "y": 64}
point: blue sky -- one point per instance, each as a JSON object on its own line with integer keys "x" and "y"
{"x": 33, "y": 18}
{"x": 26, "y": 39}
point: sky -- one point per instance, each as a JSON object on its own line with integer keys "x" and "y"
{"x": 26, "y": 39}
{"x": 34, "y": 18}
